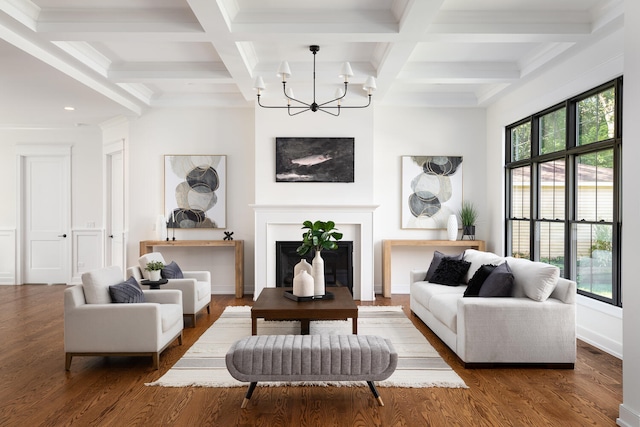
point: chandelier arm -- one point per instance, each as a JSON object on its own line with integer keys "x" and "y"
{"x": 337, "y": 99}
{"x": 355, "y": 106}
{"x": 284, "y": 90}
{"x": 297, "y": 107}
{"x": 302, "y": 110}
{"x": 324, "y": 110}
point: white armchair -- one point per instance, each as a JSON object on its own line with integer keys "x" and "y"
{"x": 195, "y": 286}
{"x": 94, "y": 326}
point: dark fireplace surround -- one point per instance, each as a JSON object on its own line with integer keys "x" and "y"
{"x": 338, "y": 264}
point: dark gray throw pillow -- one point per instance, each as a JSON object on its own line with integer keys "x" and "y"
{"x": 171, "y": 271}
{"x": 126, "y": 292}
{"x": 499, "y": 283}
{"x": 437, "y": 259}
{"x": 450, "y": 272}
{"x": 479, "y": 277}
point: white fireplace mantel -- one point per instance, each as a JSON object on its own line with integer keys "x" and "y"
{"x": 284, "y": 222}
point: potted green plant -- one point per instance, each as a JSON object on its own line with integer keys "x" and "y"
{"x": 468, "y": 216}
{"x": 154, "y": 268}
{"x": 319, "y": 235}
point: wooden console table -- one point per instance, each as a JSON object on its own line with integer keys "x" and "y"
{"x": 146, "y": 246}
{"x": 386, "y": 254}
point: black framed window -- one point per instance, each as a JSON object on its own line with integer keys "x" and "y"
{"x": 563, "y": 189}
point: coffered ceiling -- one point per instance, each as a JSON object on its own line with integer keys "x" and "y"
{"x": 123, "y": 57}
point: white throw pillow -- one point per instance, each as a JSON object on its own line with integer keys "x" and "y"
{"x": 477, "y": 259}
{"x": 96, "y": 284}
{"x": 536, "y": 279}
{"x": 144, "y": 259}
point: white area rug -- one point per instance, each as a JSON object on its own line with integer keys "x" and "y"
{"x": 419, "y": 365}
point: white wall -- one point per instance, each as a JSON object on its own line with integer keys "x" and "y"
{"x": 580, "y": 70}
{"x": 423, "y": 131}
{"x": 630, "y": 408}
{"x": 86, "y": 182}
{"x": 270, "y": 124}
{"x": 193, "y": 131}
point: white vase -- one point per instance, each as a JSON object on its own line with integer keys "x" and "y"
{"x": 161, "y": 227}
{"x": 452, "y": 227}
{"x": 303, "y": 284}
{"x": 318, "y": 274}
{"x": 302, "y": 265}
{"x": 154, "y": 275}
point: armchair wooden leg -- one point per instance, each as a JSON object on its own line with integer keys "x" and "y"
{"x": 67, "y": 361}
{"x": 208, "y": 308}
{"x": 180, "y": 339}
{"x": 156, "y": 360}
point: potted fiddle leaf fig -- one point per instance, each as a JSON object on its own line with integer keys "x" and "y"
{"x": 468, "y": 216}
{"x": 319, "y": 235}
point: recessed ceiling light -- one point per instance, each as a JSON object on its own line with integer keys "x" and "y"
{"x": 69, "y": 108}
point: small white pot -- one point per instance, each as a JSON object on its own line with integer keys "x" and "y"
{"x": 154, "y": 275}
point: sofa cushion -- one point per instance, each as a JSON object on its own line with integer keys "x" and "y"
{"x": 422, "y": 292}
{"x": 126, "y": 292}
{"x": 473, "y": 289}
{"x": 534, "y": 279}
{"x": 499, "y": 283}
{"x": 171, "y": 271}
{"x": 479, "y": 258}
{"x": 450, "y": 272}
{"x": 444, "y": 307}
{"x": 436, "y": 260}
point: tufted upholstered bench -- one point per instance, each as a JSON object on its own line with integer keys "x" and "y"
{"x": 311, "y": 358}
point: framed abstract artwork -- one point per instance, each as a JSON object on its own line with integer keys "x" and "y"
{"x": 431, "y": 190}
{"x": 314, "y": 159}
{"x": 195, "y": 191}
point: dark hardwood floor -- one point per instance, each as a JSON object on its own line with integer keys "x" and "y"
{"x": 35, "y": 389}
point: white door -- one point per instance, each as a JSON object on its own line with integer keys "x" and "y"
{"x": 115, "y": 210}
{"x": 46, "y": 218}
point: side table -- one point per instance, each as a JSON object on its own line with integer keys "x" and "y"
{"x": 154, "y": 285}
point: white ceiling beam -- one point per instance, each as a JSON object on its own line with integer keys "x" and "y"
{"x": 392, "y": 57}
{"x": 211, "y": 72}
{"x": 24, "y": 39}
{"x": 214, "y": 19}
{"x": 25, "y": 12}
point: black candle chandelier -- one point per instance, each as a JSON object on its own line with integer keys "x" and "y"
{"x": 332, "y": 107}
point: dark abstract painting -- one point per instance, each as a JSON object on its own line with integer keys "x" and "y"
{"x": 195, "y": 193}
{"x": 314, "y": 159}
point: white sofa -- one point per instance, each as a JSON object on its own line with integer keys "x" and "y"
{"x": 537, "y": 325}
{"x": 94, "y": 326}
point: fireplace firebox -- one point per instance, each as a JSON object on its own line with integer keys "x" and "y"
{"x": 338, "y": 264}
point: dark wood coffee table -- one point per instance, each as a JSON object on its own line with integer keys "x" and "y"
{"x": 273, "y": 305}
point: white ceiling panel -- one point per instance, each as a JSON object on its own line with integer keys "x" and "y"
{"x": 126, "y": 56}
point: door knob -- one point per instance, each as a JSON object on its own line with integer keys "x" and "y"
{"x": 62, "y": 235}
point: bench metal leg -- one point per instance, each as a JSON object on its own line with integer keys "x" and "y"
{"x": 374, "y": 390}
{"x": 245, "y": 401}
